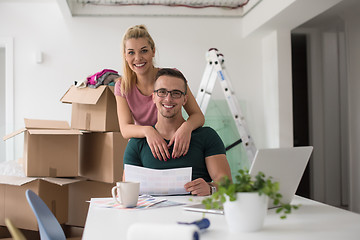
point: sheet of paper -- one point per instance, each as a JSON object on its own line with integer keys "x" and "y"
{"x": 144, "y": 202}
{"x": 159, "y": 182}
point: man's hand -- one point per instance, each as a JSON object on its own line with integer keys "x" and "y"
{"x": 198, "y": 187}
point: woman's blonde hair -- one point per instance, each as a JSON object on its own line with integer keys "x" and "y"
{"x": 128, "y": 79}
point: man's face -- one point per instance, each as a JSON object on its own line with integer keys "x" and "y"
{"x": 169, "y": 106}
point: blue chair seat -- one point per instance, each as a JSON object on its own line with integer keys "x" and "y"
{"x": 49, "y": 227}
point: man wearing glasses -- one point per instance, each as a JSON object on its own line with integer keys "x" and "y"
{"x": 206, "y": 154}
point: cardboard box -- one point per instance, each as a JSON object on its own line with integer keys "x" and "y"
{"x": 79, "y": 194}
{"x": 72, "y": 232}
{"x": 4, "y": 233}
{"x": 29, "y": 234}
{"x": 93, "y": 109}
{"x": 14, "y": 205}
{"x": 51, "y": 148}
{"x": 101, "y": 156}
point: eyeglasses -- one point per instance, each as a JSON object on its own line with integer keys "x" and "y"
{"x": 162, "y": 92}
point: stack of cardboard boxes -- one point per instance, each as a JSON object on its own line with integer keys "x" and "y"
{"x": 64, "y": 165}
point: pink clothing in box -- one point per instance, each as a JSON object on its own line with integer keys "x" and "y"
{"x": 142, "y": 107}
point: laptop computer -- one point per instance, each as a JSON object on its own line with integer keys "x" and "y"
{"x": 284, "y": 165}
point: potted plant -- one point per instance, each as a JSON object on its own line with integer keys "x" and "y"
{"x": 245, "y": 201}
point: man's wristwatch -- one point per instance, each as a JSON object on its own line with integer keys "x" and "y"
{"x": 212, "y": 189}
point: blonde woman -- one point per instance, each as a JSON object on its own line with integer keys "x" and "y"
{"x": 137, "y": 112}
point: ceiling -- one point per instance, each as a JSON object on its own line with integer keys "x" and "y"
{"x": 334, "y": 12}
{"x": 198, "y": 8}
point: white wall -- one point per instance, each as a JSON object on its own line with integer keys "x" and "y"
{"x": 353, "y": 58}
{"x": 269, "y": 27}
{"x": 6, "y": 43}
{"x": 74, "y": 48}
{"x": 2, "y": 102}
{"x": 340, "y": 160}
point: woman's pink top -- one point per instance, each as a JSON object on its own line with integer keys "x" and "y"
{"x": 142, "y": 107}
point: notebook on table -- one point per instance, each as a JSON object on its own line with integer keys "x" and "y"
{"x": 284, "y": 165}
{"x": 201, "y": 208}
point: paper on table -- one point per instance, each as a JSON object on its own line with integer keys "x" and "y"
{"x": 159, "y": 182}
{"x": 144, "y": 202}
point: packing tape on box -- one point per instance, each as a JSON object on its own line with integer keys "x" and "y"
{"x": 156, "y": 231}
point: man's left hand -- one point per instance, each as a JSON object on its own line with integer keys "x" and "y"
{"x": 198, "y": 187}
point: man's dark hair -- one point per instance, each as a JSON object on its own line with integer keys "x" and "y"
{"x": 173, "y": 73}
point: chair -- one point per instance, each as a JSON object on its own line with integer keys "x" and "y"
{"x": 16, "y": 234}
{"x": 49, "y": 226}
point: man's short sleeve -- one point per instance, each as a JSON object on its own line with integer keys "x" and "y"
{"x": 214, "y": 144}
{"x": 132, "y": 153}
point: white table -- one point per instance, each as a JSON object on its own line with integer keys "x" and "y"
{"x": 313, "y": 220}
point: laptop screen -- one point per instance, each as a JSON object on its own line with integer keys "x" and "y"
{"x": 284, "y": 165}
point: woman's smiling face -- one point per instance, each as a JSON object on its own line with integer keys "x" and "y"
{"x": 139, "y": 55}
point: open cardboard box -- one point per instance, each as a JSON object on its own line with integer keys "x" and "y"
{"x": 93, "y": 109}
{"x": 101, "y": 156}
{"x": 51, "y": 148}
{"x": 13, "y": 205}
{"x": 80, "y": 194}
{"x": 29, "y": 234}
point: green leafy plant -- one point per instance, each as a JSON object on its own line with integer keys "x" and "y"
{"x": 245, "y": 183}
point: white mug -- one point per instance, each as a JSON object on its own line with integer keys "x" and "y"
{"x": 127, "y": 193}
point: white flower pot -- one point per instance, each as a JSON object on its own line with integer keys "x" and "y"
{"x": 247, "y": 212}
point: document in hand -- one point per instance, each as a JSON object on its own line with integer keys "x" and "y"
{"x": 159, "y": 182}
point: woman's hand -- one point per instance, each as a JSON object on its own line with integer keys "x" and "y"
{"x": 198, "y": 187}
{"x": 181, "y": 140}
{"x": 157, "y": 144}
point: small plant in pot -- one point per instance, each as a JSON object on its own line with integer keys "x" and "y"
{"x": 245, "y": 201}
